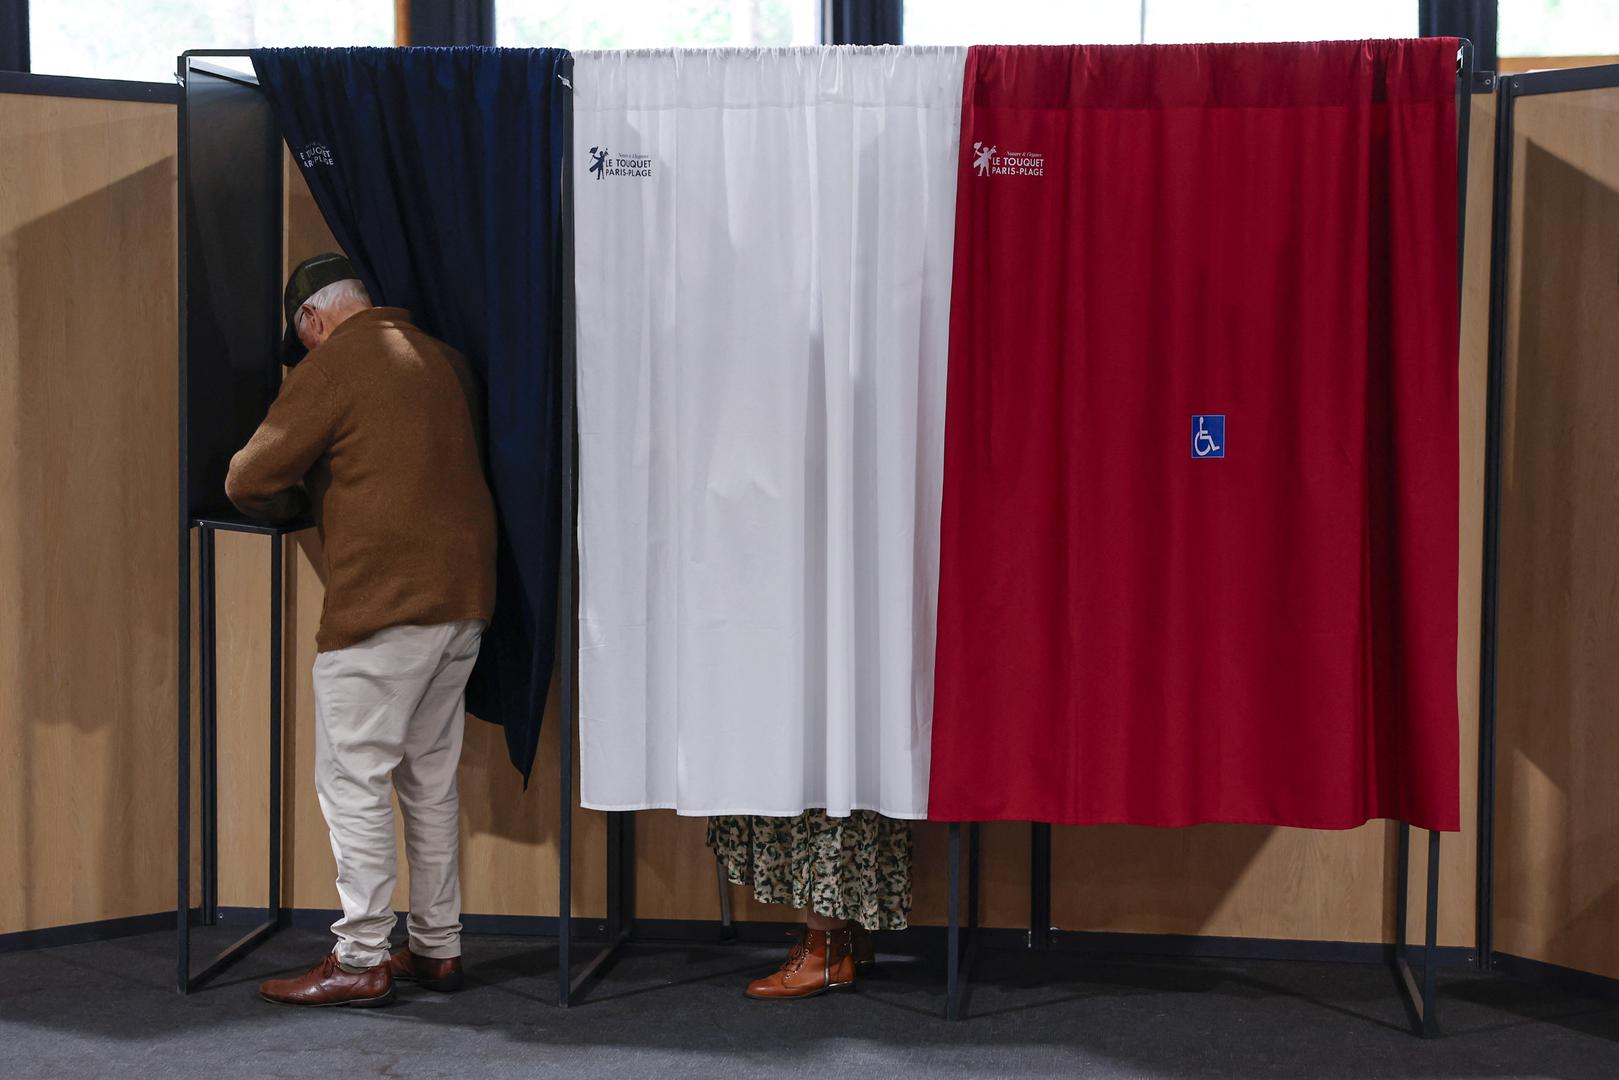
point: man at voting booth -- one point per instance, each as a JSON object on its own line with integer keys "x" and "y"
{"x": 376, "y": 434}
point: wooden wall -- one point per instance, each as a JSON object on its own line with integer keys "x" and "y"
{"x": 87, "y": 510}
{"x": 1226, "y": 880}
{"x": 1557, "y": 854}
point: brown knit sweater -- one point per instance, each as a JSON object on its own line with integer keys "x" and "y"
{"x": 381, "y": 427}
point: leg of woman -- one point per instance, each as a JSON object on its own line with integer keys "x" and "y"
{"x": 849, "y": 875}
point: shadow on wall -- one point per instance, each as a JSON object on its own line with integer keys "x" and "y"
{"x": 1101, "y": 874}
{"x": 509, "y": 835}
{"x": 1558, "y": 745}
{"x": 91, "y": 521}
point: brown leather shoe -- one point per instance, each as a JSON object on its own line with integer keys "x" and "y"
{"x": 328, "y": 984}
{"x": 822, "y": 961}
{"x": 865, "y": 950}
{"x": 445, "y": 976}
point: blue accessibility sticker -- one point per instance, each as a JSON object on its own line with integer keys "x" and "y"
{"x": 1208, "y": 436}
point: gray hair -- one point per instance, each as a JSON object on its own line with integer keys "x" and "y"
{"x": 339, "y": 294}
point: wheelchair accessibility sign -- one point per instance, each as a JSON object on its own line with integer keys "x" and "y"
{"x": 1208, "y": 437}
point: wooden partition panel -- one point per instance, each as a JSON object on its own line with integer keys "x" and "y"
{"x": 88, "y": 504}
{"x": 1557, "y": 838}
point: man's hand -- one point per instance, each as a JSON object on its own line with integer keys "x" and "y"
{"x": 287, "y": 505}
{"x": 266, "y": 475}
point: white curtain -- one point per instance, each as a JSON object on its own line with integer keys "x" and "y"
{"x": 763, "y": 261}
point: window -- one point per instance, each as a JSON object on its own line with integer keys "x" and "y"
{"x": 1129, "y": 22}
{"x": 641, "y": 24}
{"x": 1278, "y": 20}
{"x": 139, "y": 39}
{"x": 1022, "y": 22}
{"x": 1559, "y": 28}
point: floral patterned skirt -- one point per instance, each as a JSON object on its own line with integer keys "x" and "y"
{"x": 856, "y": 867}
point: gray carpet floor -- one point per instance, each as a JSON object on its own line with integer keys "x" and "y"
{"x": 109, "y": 1010}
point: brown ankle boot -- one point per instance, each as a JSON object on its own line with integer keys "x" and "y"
{"x": 823, "y": 961}
{"x": 328, "y": 984}
{"x": 865, "y": 950}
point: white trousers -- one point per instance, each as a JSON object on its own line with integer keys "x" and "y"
{"x": 389, "y": 715}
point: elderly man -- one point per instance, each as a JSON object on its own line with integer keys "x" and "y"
{"x": 376, "y": 434}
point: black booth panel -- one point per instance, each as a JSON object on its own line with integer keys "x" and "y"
{"x": 230, "y": 265}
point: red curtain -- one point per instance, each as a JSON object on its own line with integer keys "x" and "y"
{"x": 1200, "y": 516}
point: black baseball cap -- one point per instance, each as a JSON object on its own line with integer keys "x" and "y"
{"x": 309, "y": 278}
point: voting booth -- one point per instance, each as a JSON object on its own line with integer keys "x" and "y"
{"x": 766, "y": 428}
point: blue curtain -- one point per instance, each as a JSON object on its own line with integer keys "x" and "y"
{"x": 439, "y": 172}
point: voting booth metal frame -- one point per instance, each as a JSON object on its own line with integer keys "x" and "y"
{"x": 253, "y": 352}
{"x": 619, "y": 926}
{"x": 1417, "y": 985}
{"x": 230, "y": 154}
{"x": 1511, "y": 88}
{"x": 229, "y": 322}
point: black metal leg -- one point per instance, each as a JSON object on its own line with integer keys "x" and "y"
{"x": 208, "y": 673}
{"x": 273, "y": 901}
{"x": 1430, "y": 958}
{"x": 620, "y": 922}
{"x": 615, "y": 875}
{"x": 621, "y": 875}
{"x": 962, "y": 946}
{"x": 1421, "y": 996}
{"x": 952, "y": 984}
{"x": 566, "y": 718}
{"x": 727, "y": 920}
{"x": 207, "y": 684}
{"x": 973, "y": 876}
{"x": 1402, "y": 886}
{"x": 1039, "y": 885}
{"x": 182, "y": 839}
{"x": 565, "y": 839}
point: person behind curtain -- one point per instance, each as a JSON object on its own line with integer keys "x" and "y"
{"x": 850, "y": 875}
{"x": 377, "y": 434}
